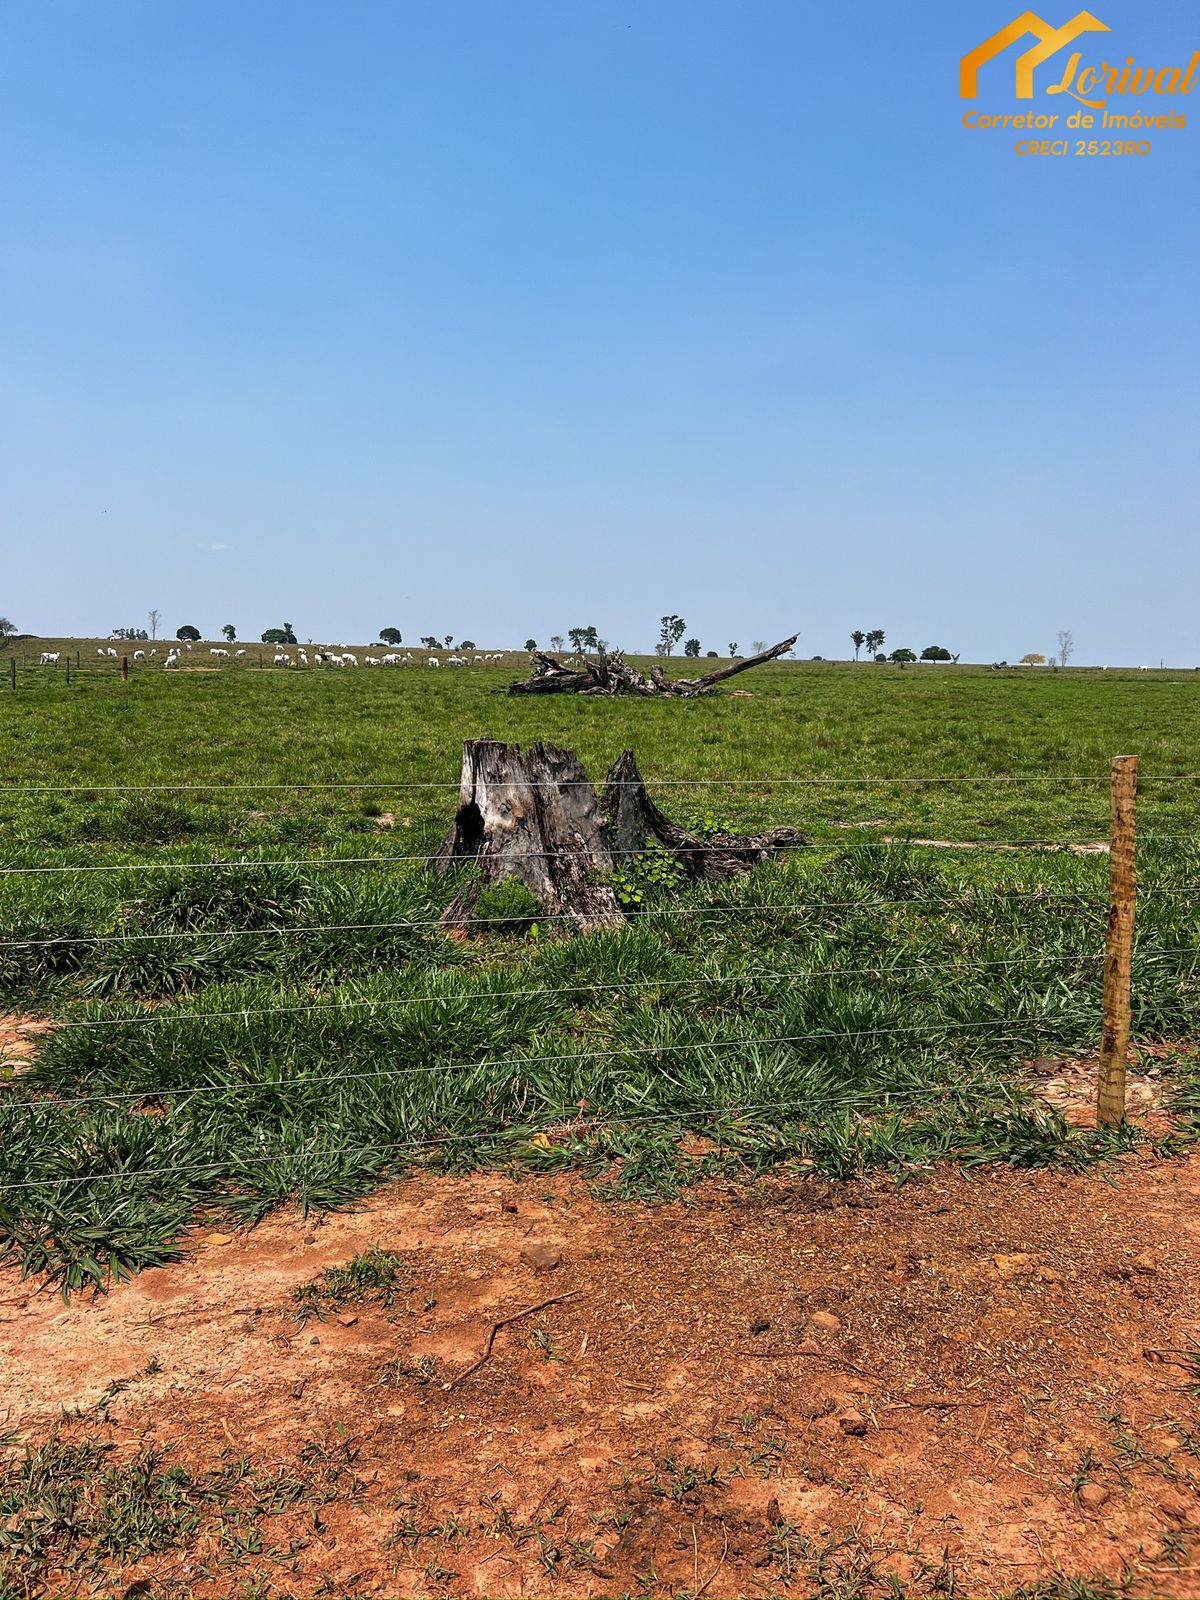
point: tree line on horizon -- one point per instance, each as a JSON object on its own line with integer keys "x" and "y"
{"x": 587, "y": 640}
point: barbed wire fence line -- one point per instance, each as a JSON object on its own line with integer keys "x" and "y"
{"x": 1110, "y": 953}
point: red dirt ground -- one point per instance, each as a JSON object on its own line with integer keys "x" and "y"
{"x": 756, "y": 1392}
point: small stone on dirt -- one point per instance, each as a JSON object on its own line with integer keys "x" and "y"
{"x": 541, "y": 1257}
{"x": 809, "y": 1347}
{"x": 214, "y": 1239}
{"x": 1176, "y": 1506}
{"x": 348, "y": 1319}
{"x": 1012, "y": 1266}
{"x": 774, "y": 1514}
{"x": 759, "y": 1325}
{"x": 825, "y": 1320}
{"x": 1092, "y": 1496}
{"x": 508, "y": 1205}
{"x": 853, "y": 1423}
{"x": 1147, "y": 1263}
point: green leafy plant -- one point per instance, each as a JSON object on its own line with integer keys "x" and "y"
{"x": 655, "y": 872}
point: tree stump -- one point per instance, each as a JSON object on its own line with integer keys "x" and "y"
{"x": 634, "y": 821}
{"x": 531, "y": 816}
{"x": 534, "y": 816}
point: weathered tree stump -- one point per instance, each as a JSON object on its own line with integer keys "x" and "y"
{"x": 534, "y": 816}
{"x": 612, "y": 675}
{"x": 531, "y": 816}
{"x": 633, "y": 821}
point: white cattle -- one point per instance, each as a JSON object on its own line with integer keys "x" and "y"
{"x": 99, "y": 650}
{"x": 239, "y": 652}
{"x": 349, "y": 659}
{"x": 172, "y": 658}
{"x": 112, "y": 653}
{"x": 139, "y": 655}
{"x": 48, "y": 658}
{"x": 215, "y": 650}
{"x": 153, "y": 653}
{"x": 282, "y": 659}
{"x": 434, "y": 662}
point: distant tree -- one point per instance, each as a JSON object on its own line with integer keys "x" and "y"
{"x": 7, "y": 628}
{"x": 584, "y": 639}
{"x": 1033, "y": 659}
{"x": 691, "y": 647}
{"x": 874, "y": 640}
{"x": 711, "y": 655}
{"x": 230, "y": 632}
{"x": 880, "y": 659}
{"x": 449, "y": 638}
{"x": 671, "y": 629}
{"x": 187, "y": 632}
{"x": 758, "y": 646}
{"x": 467, "y": 644}
{"x": 1066, "y": 646}
{"x": 902, "y": 655}
{"x": 531, "y": 644}
{"x": 858, "y": 638}
{"x": 556, "y": 641}
{"x": 153, "y": 621}
{"x": 430, "y": 642}
{"x": 935, "y": 652}
{"x": 128, "y": 633}
{"x": 276, "y": 636}
{"x": 733, "y": 651}
{"x": 390, "y": 636}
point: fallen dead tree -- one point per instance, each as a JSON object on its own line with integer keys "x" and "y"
{"x": 612, "y": 675}
{"x": 534, "y": 815}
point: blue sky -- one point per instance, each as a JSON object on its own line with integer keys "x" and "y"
{"x": 498, "y": 318}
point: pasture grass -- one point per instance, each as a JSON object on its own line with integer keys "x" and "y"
{"x": 294, "y": 1027}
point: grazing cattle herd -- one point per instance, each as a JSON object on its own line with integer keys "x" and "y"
{"x": 295, "y": 656}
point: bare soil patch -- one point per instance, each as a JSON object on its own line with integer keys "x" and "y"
{"x": 756, "y": 1392}
{"x": 19, "y": 1042}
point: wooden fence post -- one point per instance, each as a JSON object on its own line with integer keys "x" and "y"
{"x": 1118, "y": 952}
{"x": 12, "y": 670}
{"x": 124, "y": 669}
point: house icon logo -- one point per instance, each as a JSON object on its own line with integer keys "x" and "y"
{"x": 1048, "y": 42}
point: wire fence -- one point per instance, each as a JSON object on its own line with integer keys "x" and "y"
{"x": 1087, "y": 913}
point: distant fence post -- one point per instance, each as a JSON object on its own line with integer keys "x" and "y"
{"x": 12, "y": 670}
{"x": 68, "y": 672}
{"x": 1118, "y": 951}
{"x": 124, "y": 669}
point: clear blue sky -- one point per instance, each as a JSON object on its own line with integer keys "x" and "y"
{"x": 498, "y": 318}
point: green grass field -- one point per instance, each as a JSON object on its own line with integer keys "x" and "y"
{"x": 292, "y": 1025}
